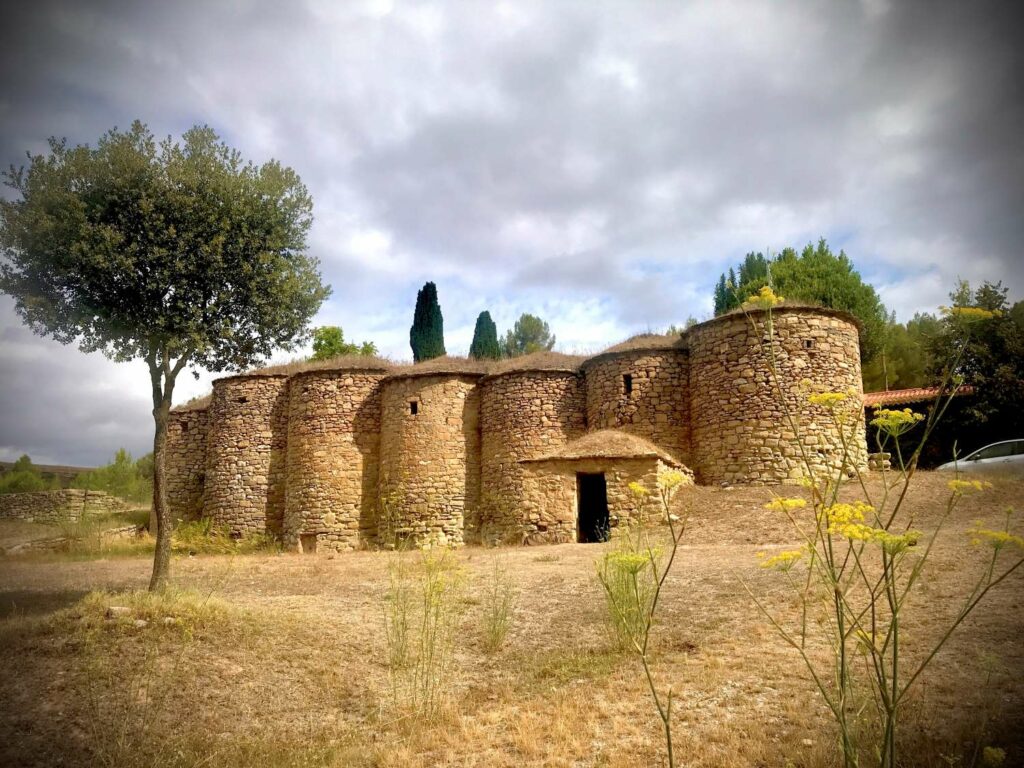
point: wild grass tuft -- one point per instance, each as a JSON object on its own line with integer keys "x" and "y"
{"x": 421, "y": 616}
{"x": 499, "y": 606}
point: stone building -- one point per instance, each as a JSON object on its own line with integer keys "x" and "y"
{"x": 361, "y": 452}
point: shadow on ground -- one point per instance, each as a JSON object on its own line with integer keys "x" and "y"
{"x": 36, "y": 602}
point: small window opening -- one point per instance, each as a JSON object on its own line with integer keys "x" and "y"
{"x": 808, "y": 343}
{"x": 627, "y": 383}
{"x": 414, "y": 407}
{"x": 184, "y": 427}
{"x": 243, "y": 400}
{"x": 307, "y": 543}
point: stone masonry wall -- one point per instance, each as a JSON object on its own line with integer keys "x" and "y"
{"x": 523, "y": 415}
{"x": 657, "y": 408}
{"x": 186, "y": 462}
{"x": 563, "y": 502}
{"x": 430, "y": 459}
{"x": 333, "y": 455}
{"x": 740, "y": 430}
{"x": 66, "y": 505}
{"x": 246, "y": 453}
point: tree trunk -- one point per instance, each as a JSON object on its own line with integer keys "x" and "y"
{"x": 162, "y": 376}
{"x": 161, "y": 510}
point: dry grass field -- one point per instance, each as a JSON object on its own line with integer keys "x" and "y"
{"x": 281, "y": 660}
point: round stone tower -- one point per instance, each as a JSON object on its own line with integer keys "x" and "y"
{"x": 333, "y": 456}
{"x": 246, "y": 452}
{"x": 745, "y": 427}
{"x": 643, "y": 391}
{"x": 429, "y": 485}
{"x": 524, "y": 414}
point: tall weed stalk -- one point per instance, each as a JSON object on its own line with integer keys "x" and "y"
{"x": 422, "y": 614}
{"x": 499, "y": 606}
{"x": 633, "y": 576}
{"x": 861, "y": 562}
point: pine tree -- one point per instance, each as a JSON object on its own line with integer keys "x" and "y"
{"x": 485, "y": 339}
{"x": 426, "y": 337}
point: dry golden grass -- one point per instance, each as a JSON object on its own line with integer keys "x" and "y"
{"x": 280, "y": 660}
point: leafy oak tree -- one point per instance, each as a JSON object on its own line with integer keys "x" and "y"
{"x": 485, "y": 344}
{"x": 179, "y": 254}
{"x": 329, "y": 341}
{"x": 817, "y": 276}
{"x": 529, "y": 334}
{"x": 426, "y": 337}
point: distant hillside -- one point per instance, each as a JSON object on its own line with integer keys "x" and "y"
{"x": 50, "y": 471}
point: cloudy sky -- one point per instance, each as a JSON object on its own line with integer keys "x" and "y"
{"x": 596, "y": 163}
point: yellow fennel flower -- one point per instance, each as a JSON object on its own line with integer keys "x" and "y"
{"x": 997, "y": 539}
{"x": 628, "y": 562}
{"x": 669, "y": 479}
{"x": 785, "y": 505}
{"x": 895, "y": 422}
{"x": 993, "y": 757}
{"x": 763, "y": 299}
{"x": 827, "y": 399}
{"x": 961, "y": 487}
{"x": 639, "y": 490}
{"x": 783, "y": 561}
{"x": 970, "y": 314}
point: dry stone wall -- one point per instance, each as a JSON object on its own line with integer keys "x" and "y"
{"x": 644, "y": 392}
{"x": 67, "y": 505}
{"x": 430, "y": 459}
{"x": 741, "y": 433}
{"x": 337, "y": 459}
{"x": 562, "y": 503}
{"x": 333, "y": 456}
{"x": 246, "y": 454}
{"x": 186, "y": 462}
{"x": 524, "y": 415}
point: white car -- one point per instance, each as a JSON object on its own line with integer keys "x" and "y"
{"x": 1005, "y": 456}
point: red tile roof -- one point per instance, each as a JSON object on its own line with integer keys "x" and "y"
{"x": 904, "y": 396}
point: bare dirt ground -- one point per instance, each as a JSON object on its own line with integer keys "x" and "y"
{"x": 280, "y": 659}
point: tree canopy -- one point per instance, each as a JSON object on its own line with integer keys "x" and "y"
{"x": 124, "y": 477}
{"x": 23, "y": 477}
{"x": 426, "y": 337}
{"x": 529, "y": 334}
{"x": 329, "y": 341}
{"x": 904, "y": 359}
{"x": 176, "y": 253}
{"x": 485, "y": 344}
{"x": 816, "y": 276}
{"x": 989, "y": 351}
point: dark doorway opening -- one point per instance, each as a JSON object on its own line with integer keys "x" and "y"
{"x": 592, "y": 501}
{"x": 307, "y": 543}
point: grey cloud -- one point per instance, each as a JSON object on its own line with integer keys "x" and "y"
{"x": 615, "y": 155}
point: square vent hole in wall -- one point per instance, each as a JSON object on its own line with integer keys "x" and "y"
{"x": 808, "y": 343}
{"x": 414, "y": 407}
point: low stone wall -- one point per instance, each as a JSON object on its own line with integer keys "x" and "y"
{"x": 559, "y": 513}
{"x": 186, "y": 462}
{"x": 59, "y": 506}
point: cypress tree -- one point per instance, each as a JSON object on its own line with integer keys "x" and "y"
{"x": 485, "y": 338}
{"x": 426, "y": 337}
